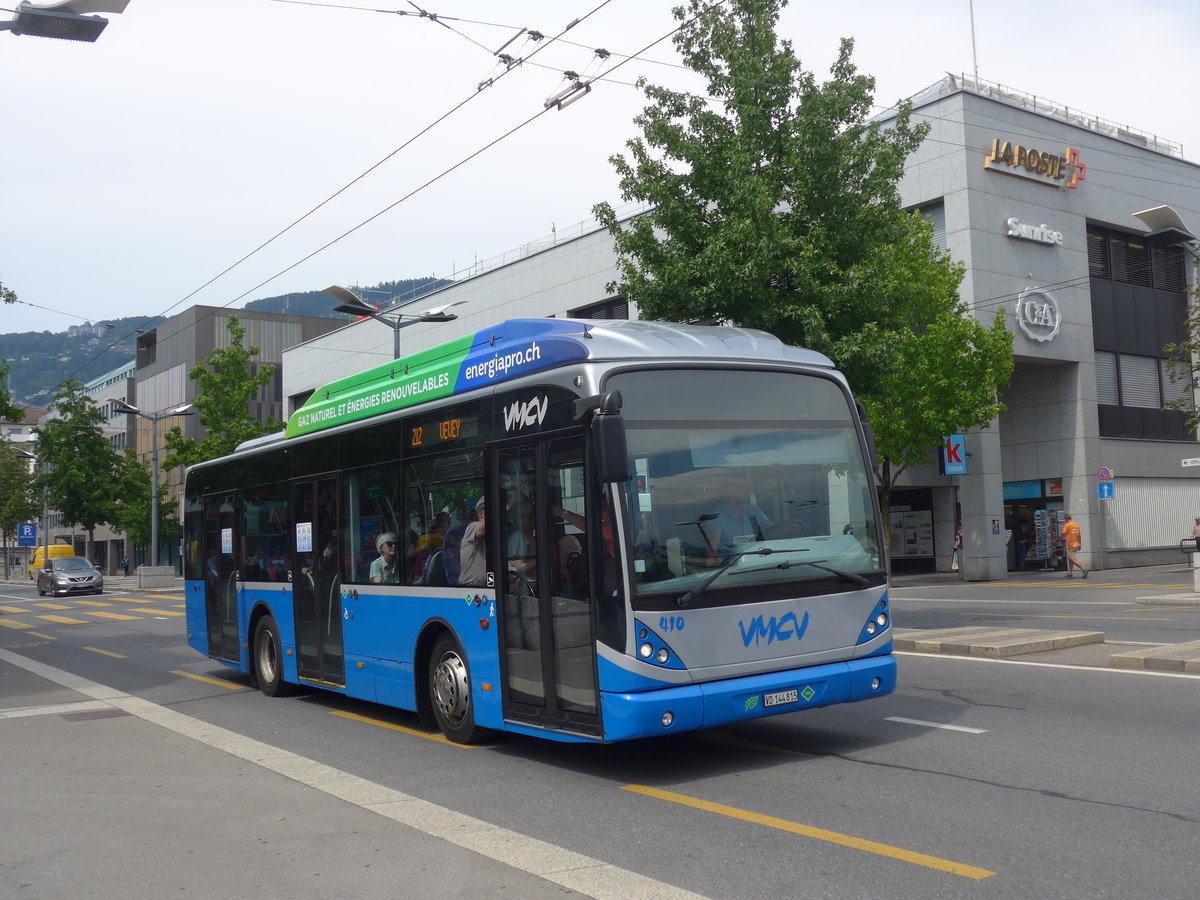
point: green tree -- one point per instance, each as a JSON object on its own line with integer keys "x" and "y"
{"x": 7, "y": 295}
{"x": 17, "y": 501}
{"x": 9, "y": 411}
{"x": 226, "y": 383}
{"x": 774, "y": 205}
{"x": 131, "y": 506}
{"x": 80, "y": 465}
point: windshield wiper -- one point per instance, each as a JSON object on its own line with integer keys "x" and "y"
{"x": 684, "y": 599}
{"x": 785, "y": 565}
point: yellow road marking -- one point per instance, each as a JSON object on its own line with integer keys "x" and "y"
{"x": 132, "y": 600}
{"x": 63, "y": 620}
{"x": 92, "y": 603}
{"x": 159, "y": 612}
{"x": 44, "y": 637}
{"x": 164, "y": 596}
{"x": 53, "y": 606}
{"x": 820, "y": 834}
{"x": 120, "y": 617}
{"x": 105, "y": 652}
{"x": 14, "y": 609}
{"x": 440, "y": 738}
{"x": 8, "y": 624}
{"x": 216, "y": 681}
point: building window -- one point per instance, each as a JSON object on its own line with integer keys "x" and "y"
{"x": 1138, "y": 308}
{"x": 609, "y": 309}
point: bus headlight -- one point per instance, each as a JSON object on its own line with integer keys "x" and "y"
{"x": 871, "y": 627}
{"x": 663, "y": 655}
{"x": 668, "y": 719}
{"x": 646, "y": 651}
{"x": 881, "y": 620}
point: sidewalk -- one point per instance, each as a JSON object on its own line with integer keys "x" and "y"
{"x": 1166, "y": 585}
{"x": 107, "y": 795}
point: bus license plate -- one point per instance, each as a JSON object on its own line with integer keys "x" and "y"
{"x": 781, "y": 697}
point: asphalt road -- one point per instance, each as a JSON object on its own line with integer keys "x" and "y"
{"x": 981, "y": 778}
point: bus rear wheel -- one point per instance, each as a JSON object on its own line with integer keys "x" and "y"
{"x": 450, "y": 692}
{"x": 267, "y": 659}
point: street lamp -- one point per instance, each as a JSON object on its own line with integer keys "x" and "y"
{"x": 354, "y": 305}
{"x": 153, "y": 418}
{"x": 45, "y": 509}
{"x": 63, "y": 20}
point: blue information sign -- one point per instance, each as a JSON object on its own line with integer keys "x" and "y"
{"x": 1106, "y": 490}
{"x": 26, "y": 535}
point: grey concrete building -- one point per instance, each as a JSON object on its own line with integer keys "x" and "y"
{"x": 165, "y": 356}
{"x": 1037, "y": 200}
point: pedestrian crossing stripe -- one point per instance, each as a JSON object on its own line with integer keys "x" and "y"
{"x": 15, "y": 625}
{"x": 13, "y": 609}
{"x": 64, "y": 620}
{"x": 92, "y": 603}
{"x": 120, "y": 617}
{"x": 53, "y": 606}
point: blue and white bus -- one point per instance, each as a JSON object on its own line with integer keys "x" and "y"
{"x": 579, "y": 530}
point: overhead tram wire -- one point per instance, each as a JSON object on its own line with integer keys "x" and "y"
{"x": 485, "y": 84}
{"x": 457, "y": 165}
{"x": 431, "y": 181}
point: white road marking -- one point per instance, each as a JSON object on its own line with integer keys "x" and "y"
{"x": 1047, "y": 665}
{"x": 964, "y": 729}
{"x": 583, "y": 874}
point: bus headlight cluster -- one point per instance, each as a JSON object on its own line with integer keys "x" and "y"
{"x": 653, "y": 649}
{"x": 878, "y": 621}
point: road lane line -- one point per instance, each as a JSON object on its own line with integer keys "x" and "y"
{"x": 118, "y": 617}
{"x": 44, "y": 605}
{"x": 55, "y": 709}
{"x": 91, "y": 603}
{"x": 379, "y": 723}
{"x": 15, "y": 610}
{"x": 1187, "y": 676}
{"x": 585, "y": 875}
{"x": 963, "y": 728}
{"x": 7, "y": 624}
{"x": 64, "y": 620}
{"x": 106, "y": 652}
{"x": 218, "y": 682}
{"x": 820, "y": 834}
{"x": 993, "y": 615}
{"x": 150, "y": 611}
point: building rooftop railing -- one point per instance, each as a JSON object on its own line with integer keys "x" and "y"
{"x": 953, "y": 83}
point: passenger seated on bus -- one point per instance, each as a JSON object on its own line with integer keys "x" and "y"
{"x": 430, "y": 542}
{"x": 452, "y": 544}
{"x": 472, "y": 554}
{"x": 572, "y": 568}
{"x": 386, "y": 569}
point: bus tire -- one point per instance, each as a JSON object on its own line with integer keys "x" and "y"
{"x": 267, "y": 661}
{"x": 450, "y": 692}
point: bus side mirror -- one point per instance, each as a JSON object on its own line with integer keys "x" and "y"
{"x": 608, "y": 435}
{"x": 873, "y": 459}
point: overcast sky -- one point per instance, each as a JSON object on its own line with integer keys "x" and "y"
{"x": 135, "y": 169}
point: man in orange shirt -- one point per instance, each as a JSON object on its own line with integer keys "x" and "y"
{"x": 1072, "y": 542}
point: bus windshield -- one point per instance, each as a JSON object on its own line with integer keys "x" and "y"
{"x": 744, "y": 478}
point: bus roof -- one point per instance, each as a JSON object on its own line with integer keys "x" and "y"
{"x": 520, "y": 347}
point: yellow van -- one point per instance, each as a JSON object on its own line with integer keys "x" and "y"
{"x": 56, "y": 550}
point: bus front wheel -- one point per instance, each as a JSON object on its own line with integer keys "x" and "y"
{"x": 268, "y": 658}
{"x": 450, "y": 692}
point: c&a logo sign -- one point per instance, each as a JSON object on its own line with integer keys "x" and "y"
{"x": 1037, "y": 314}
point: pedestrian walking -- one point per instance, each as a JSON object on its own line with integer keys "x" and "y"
{"x": 125, "y": 563}
{"x": 1071, "y": 543}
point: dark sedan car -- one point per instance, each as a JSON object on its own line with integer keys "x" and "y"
{"x": 69, "y": 575}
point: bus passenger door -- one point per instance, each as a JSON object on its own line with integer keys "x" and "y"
{"x": 220, "y": 593}
{"x": 316, "y": 583}
{"x": 547, "y": 593}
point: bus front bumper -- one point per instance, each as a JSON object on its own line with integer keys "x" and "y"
{"x": 673, "y": 710}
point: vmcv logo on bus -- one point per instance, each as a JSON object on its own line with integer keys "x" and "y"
{"x": 524, "y": 414}
{"x": 785, "y": 628}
